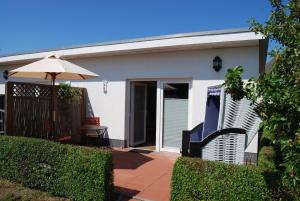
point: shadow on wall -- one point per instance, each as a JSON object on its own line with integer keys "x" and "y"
{"x": 89, "y": 108}
{"x": 90, "y": 113}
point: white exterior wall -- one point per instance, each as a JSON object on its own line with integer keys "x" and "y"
{"x": 195, "y": 65}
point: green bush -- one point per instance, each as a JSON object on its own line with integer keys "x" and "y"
{"x": 266, "y": 138}
{"x": 196, "y": 179}
{"x": 267, "y": 158}
{"x": 78, "y": 173}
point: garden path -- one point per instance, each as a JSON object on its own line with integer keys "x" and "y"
{"x": 143, "y": 175}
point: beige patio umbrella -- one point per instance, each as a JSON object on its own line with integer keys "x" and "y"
{"x": 52, "y": 68}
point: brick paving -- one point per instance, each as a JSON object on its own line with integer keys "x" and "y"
{"x": 142, "y": 175}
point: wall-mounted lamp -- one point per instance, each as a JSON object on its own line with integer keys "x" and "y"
{"x": 5, "y": 74}
{"x": 105, "y": 82}
{"x": 217, "y": 63}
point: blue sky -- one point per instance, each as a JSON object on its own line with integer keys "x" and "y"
{"x": 41, "y": 24}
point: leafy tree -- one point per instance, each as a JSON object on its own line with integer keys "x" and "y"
{"x": 277, "y": 94}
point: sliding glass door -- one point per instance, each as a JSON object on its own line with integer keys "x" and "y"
{"x": 138, "y": 113}
{"x": 174, "y": 113}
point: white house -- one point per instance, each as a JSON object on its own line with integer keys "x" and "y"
{"x": 138, "y": 77}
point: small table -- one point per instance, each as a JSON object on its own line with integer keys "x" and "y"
{"x": 94, "y": 131}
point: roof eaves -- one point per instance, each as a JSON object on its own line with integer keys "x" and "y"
{"x": 171, "y": 36}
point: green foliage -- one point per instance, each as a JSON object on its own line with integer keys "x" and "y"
{"x": 267, "y": 158}
{"x": 93, "y": 170}
{"x": 291, "y": 150}
{"x": 234, "y": 83}
{"x": 76, "y": 172}
{"x": 195, "y": 179}
{"x": 266, "y": 138}
{"x": 277, "y": 94}
{"x": 65, "y": 94}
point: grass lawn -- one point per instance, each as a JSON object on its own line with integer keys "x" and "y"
{"x": 10, "y": 191}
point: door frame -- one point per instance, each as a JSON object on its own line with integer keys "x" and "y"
{"x": 159, "y": 108}
{"x": 132, "y": 103}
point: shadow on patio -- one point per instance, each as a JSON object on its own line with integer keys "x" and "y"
{"x": 143, "y": 175}
{"x": 124, "y": 194}
{"x": 129, "y": 159}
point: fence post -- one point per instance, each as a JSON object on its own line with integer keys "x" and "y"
{"x": 7, "y": 103}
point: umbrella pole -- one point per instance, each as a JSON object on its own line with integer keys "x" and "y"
{"x": 52, "y": 110}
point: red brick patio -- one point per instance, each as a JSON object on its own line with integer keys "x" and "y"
{"x": 143, "y": 175}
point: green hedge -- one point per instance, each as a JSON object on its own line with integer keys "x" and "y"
{"x": 78, "y": 173}
{"x": 196, "y": 179}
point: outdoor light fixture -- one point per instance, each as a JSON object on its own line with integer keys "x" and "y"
{"x": 217, "y": 63}
{"x": 5, "y": 74}
{"x": 105, "y": 82}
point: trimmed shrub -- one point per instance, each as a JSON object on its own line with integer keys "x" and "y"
{"x": 196, "y": 179}
{"x": 78, "y": 173}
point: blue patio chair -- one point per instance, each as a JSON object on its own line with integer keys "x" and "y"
{"x": 228, "y": 128}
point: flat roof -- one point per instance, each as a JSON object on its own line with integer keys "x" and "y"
{"x": 205, "y": 39}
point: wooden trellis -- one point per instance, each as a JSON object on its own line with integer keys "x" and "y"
{"x": 28, "y": 111}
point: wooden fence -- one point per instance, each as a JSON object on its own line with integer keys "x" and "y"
{"x": 2, "y": 122}
{"x": 28, "y": 111}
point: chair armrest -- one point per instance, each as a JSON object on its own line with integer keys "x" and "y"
{"x": 195, "y": 149}
{"x": 187, "y": 136}
{"x": 197, "y": 127}
{"x": 196, "y": 133}
{"x": 224, "y": 131}
{"x": 185, "y": 143}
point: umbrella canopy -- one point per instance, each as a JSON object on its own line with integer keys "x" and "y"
{"x": 51, "y": 66}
